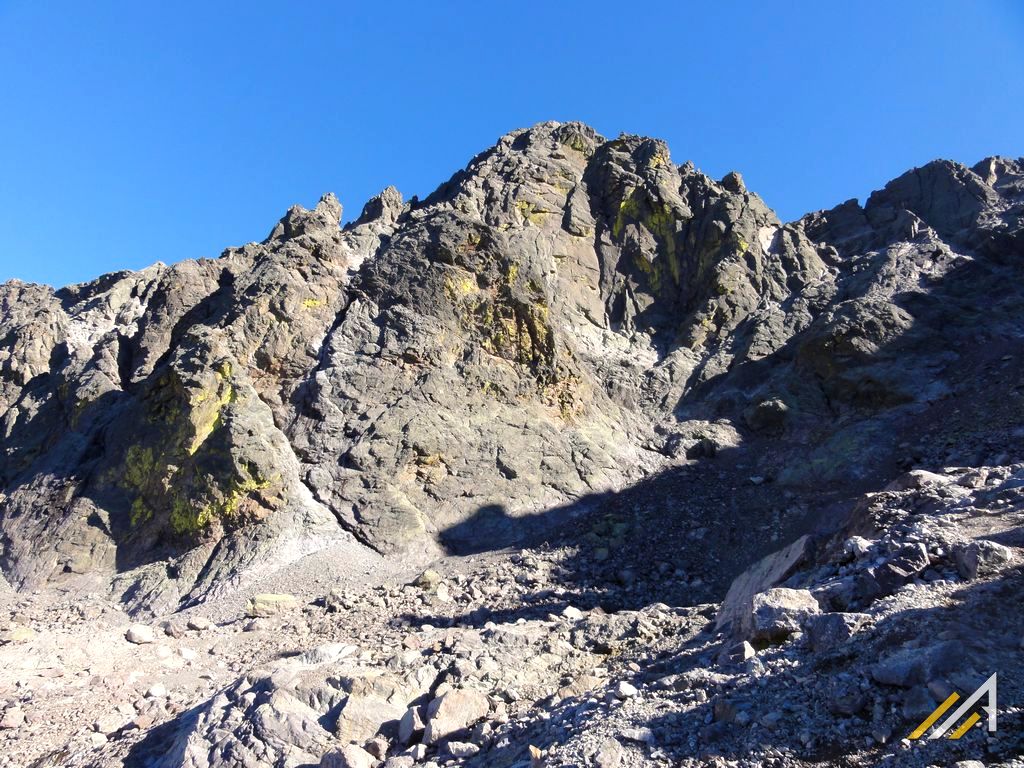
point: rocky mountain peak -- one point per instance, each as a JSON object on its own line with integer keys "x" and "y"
{"x": 652, "y": 441}
{"x": 566, "y": 315}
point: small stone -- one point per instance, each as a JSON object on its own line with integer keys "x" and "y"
{"x": 572, "y": 613}
{"x": 140, "y": 634}
{"x": 641, "y": 735}
{"x": 111, "y": 723}
{"x": 461, "y": 749}
{"x": 912, "y": 666}
{"x": 411, "y": 725}
{"x": 199, "y": 623}
{"x": 418, "y": 752}
{"x": 981, "y": 558}
{"x": 428, "y": 580}
{"x": 778, "y": 613}
{"x": 349, "y": 756}
{"x": 609, "y": 754}
{"x": 377, "y": 747}
{"x": 13, "y": 718}
{"x": 263, "y": 606}
{"x": 830, "y": 630}
{"x": 625, "y": 690}
{"x": 156, "y": 691}
{"x": 17, "y": 634}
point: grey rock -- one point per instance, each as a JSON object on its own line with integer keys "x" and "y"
{"x": 830, "y": 630}
{"x": 981, "y": 558}
{"x": 348, "y": 756}
{"x": 461, "y": 748}
{"x": 915, "y": 666}
{"x": 453, "y": 712}
{"x": 140, "y": 634}
{"x": 779, "y": 612}
{"x": 766, "y": 573}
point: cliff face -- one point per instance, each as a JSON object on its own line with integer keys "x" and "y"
{"x": 565, "y": 316}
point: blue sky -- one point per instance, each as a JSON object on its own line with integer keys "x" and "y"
{"x": 138, "y": 132}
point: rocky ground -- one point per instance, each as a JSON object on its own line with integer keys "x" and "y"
{"x": 828, "y": 652}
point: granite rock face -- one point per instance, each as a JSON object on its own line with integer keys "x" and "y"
{"x": 563, "y": 317}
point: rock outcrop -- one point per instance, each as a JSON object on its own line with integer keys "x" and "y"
{"x": 564, "y": 317}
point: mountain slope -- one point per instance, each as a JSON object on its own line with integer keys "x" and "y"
{"x": 564, "y": 317}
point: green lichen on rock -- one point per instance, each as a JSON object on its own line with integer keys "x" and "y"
{"x": 532, "y": 213}
{"x": 185, "y": 471}
{"x": 660, "y": 220}
{"x": 206, "y": 409}
{"x": 187, "y": 517}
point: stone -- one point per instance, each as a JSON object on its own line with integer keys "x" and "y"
{"x": 913, "y": 666}
{"x": 766, "y": 573}
{"x": 828, "y": 631}
{"x": 777, "y": 613}
{"x": 453, "y": 712}
{"x": 140, "y": 634}
{"x": 624, "y": 690}
{"x": 428, "y": 581}
{"x": 410, "y": 726}
{"x": 199, "y": 623}
{"x": 366, "y": 714}
{"x": 156, "y": 691}
{"x": 767, "y": 415}
{"x": 572, "y": 613}
{"x": 264, "y": 606}
{"x": 17, "y": 633}
{"x": 898, "y": 570}
{"x": 917, "y": 479}
{"x": 111, "y": 723}
{"x": 13, "y": 717}
{"x": 461, "y": 748}
{"x": 918, "y": 703}
{"x": 981, "y": 558}
{"x": 609, "y": 754}
{"x": 348, "y": 756}
{"x": 642, "y": 735}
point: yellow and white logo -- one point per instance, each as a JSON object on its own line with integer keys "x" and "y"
{"x": 988, "y": 687}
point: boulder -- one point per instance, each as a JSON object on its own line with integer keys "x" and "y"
{"x": 263, "y": 606}
{"x": 777, "y": 613}
{"x": 915, "y": 666}
{"x": 453, "y": 712}
{"x": 364, "y": 715}
{"x": 830, "y": 630}
{"x": 348, "y": 756}
{"x": 981, "y": 558}
{"x": 765, "y": 573}
{"x": 140, "y": 634}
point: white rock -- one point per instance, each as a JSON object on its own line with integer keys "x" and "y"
{"x": 13, "y": 718}
{"x": 625, "y": 690}
{"x": 140, "y": 634}
{"x": 156, "y": 691}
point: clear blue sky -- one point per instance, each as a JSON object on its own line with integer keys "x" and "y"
{"x": 137, "y": 132}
